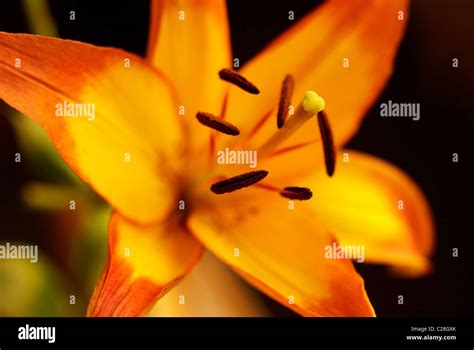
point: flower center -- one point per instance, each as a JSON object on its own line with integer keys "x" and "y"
{"x": 311, "y": 104}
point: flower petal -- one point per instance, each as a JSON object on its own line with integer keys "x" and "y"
{"x": 127, "y": 148}
{"x": 361, "y": 205}
{"x": 282, "y": 253}
{"x": 224, "y": 292}
{"x": 190, "y": 42}
{"x": 143, "y": 264}
{"x": 366, "y": 32}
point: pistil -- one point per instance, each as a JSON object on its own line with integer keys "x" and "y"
{"x": 310, "y": 105}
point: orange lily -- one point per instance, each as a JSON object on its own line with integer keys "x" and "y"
{"x": 155, "y": 165}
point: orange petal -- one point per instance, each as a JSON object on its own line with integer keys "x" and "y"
{"x": 127, "y": 147}
{"x": 282, "y": 253}
{"x": 189, "y": 41}
{"x": 367, "y": 32}
{"x": 227, "y": 295}
{"x": 295, "y": 161}
{"x": 361, "y": 205}
{"x": 143, "y": 264}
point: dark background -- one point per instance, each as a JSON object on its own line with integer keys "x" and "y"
{"x": 437, "y": 32}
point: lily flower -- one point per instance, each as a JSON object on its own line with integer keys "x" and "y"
{"x": 150, "y": 151}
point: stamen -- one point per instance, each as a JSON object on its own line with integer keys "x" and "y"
{"x": 235, "y": 78}
{"x": 238, "y": 182}
{"x": 285, "y": 100}
{"x": 267, "y": 187}
{"x": 328, "y": 143}
{"x": 298, "y": 193}
{"x": 217, "y": 123}
{"x": 311, "y": 104}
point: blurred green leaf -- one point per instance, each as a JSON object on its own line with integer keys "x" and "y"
{"x": 34, "y": 289}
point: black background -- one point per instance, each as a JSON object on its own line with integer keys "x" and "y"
{"x": 437, "y": 32}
